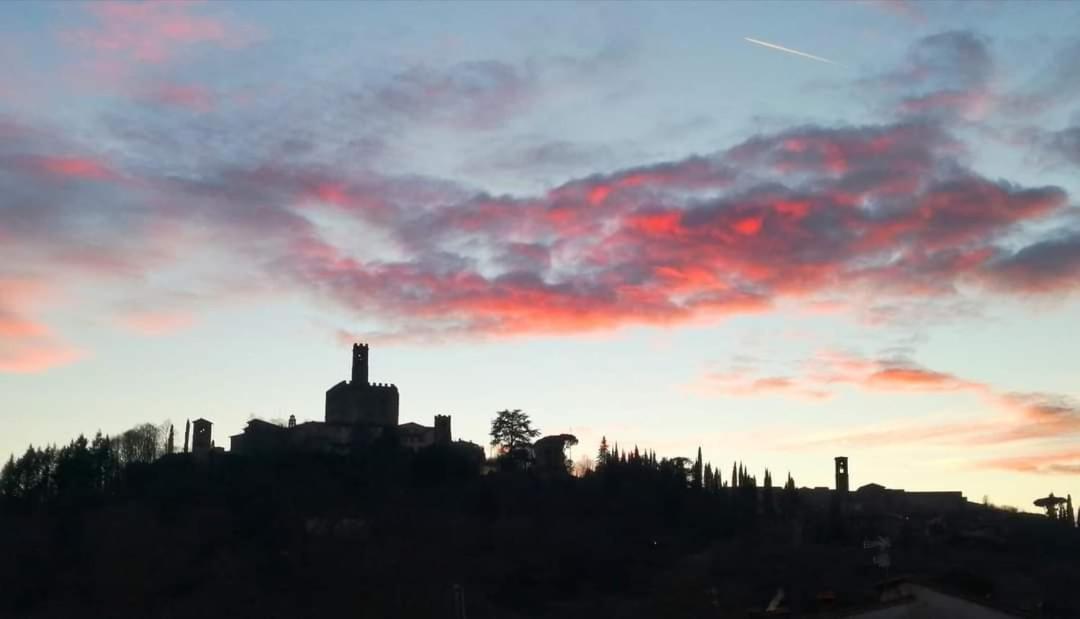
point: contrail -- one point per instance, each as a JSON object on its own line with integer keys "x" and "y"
{"x": 788, "y": 50}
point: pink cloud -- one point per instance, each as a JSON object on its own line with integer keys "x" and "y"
{"x": 27, "y": 345}
{"x": 745, "y": 384}
{"x": 916, "y": 379}
{"x": 1022, "y": 417}
{"x": 149, "y": 32}
{"x": 33, "y": 358}
{"x": 906, "y": 9}
{"x": 659, "y": 245}
{"x": 75, "y": 167}
{"x": 1054, "y": 463}
{"x": 190, "y": 96}
{"x": 971, "y": 105}
{"x": 124, "y": 41}
{"x": 155, "y": 323}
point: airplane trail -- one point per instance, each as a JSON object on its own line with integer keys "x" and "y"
{"x": 788, "y": 50}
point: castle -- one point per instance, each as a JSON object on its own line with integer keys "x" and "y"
{"x": 357, "y": 413}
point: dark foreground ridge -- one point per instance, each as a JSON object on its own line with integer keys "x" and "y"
{"x": 362, "y": 516}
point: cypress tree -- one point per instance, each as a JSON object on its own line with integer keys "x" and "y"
{"x": 696, "y": 474}
{"x": 767, "y": 495}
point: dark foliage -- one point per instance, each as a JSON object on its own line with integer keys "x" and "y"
{"x": 388, "y": 532}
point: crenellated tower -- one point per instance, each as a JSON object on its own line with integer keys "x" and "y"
{"x": 360, "y": 402}
{"x": 360, "y": 364}
{"x": 442, "y": 430}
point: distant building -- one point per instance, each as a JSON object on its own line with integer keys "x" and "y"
{"x": 359, "y": 402}
{"x": 841, "y": 474}
{"x": 875, "y": 499}
{"x": 202, "y": 441}
{"x": 357, "y": 413}
{"x": 416, "y": 436}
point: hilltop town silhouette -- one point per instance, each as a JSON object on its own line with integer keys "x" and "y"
{"x": 365, "y": 515}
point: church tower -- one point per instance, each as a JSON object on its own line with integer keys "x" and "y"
{"x": 360, "y": 364}
{"x": 841, "y": 474}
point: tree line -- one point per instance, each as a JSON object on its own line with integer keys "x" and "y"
{"x": 82, "y": 468}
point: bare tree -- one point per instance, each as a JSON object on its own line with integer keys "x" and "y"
{"x": 140, "y": 444}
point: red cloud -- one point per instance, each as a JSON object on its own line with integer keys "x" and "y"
{"x": 674, "y": 242}
{"x": 75, "y": 167}
{"x": 658, "y": 245}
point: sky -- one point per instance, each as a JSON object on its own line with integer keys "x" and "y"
{"x": 627, "y": 219}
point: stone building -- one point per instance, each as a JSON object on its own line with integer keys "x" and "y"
{"x": 202, "y": 440}
{"x": 357, "y": 413}
{"x": 358, "y": 402}
{"x": 415, "y": 436}
{"x": 875, "y": 499}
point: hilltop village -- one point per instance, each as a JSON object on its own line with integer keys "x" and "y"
{"x": 359, "y": 412}
{"x": 360, "y": 513}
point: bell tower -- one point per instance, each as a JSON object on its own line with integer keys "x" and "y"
{"x": 360, "y": 364}
{"x": 841, "y": 474}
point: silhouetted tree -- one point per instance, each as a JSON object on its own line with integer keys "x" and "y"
{"x": 602, "y": 454}
{"x": 512, "y": 429}
{"x": 8, "y": 481}
{"x": 768, "y": 506}
{"x": 170, "y": 446}
{"x": 678, "y": 470}
{"x": 187, "y": 434}
{"x": 550, "y": 454}
{"x": 106, "y": 463}
{"x": 734, "y": 476}
{"x": 696, "y": 479}
{"x": 789, "y": 497}
{"x": 74, "y": 474}
{"x": 512, "y": 433}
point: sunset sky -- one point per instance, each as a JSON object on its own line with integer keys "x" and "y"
{"x": 625, "y": 219}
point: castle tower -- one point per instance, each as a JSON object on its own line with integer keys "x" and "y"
{"x": 201, "y": 440}
{"x": 842, "y": 474}
{"x": 360, "y": 364}
{"x": 442, "y": 430}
